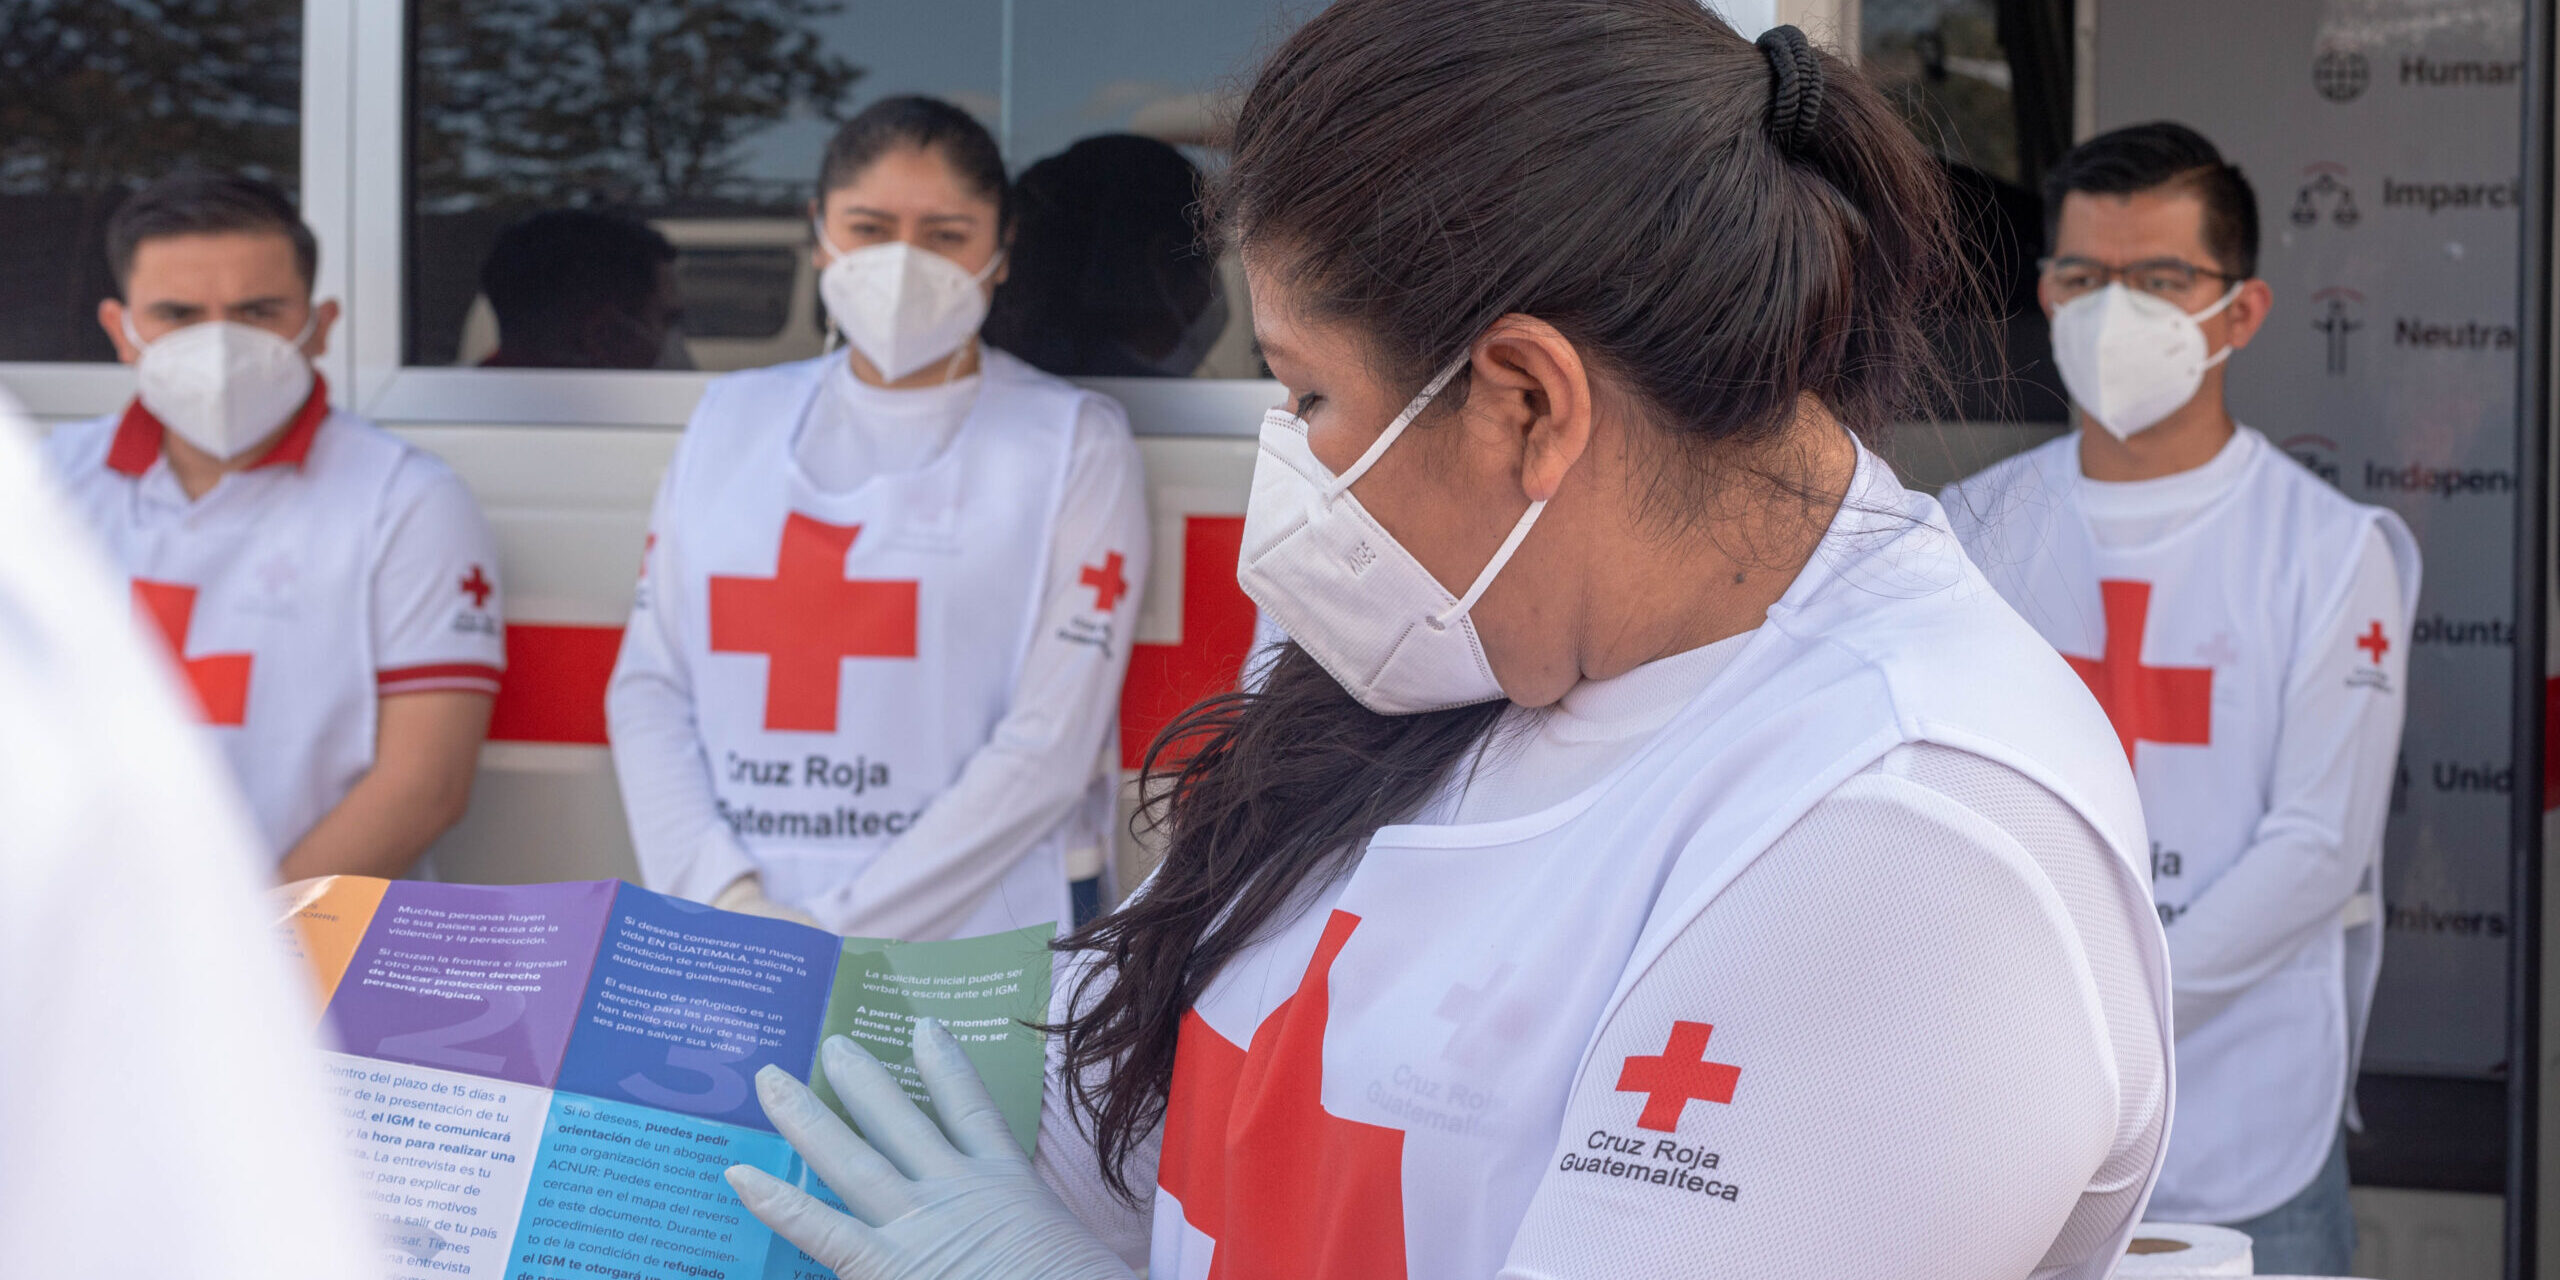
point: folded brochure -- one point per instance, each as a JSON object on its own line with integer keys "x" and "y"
{"x": 547, "y": 1080}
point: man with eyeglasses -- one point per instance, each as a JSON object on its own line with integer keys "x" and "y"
{"x": 329, "y": 592}
{"x": 2246, "y": 628}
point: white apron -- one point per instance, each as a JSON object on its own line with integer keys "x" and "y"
{"x": 1377, "y": 1090}
{"x": 2195, "y": 645}
{"x": 850, "y": 651}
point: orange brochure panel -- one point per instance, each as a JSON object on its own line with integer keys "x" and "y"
{"x": 329, "y": 915}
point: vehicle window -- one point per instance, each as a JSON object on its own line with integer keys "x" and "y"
{"x": 97, "y": 99}
{"x": 625, "y": 183}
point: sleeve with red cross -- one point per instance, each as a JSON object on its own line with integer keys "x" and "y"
{"x": 1874, "y": 1053}
{"x": 437, "y": 620}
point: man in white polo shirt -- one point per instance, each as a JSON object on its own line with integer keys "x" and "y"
{"x": 328, "y": 592}
{"x": 2246, "y": 628}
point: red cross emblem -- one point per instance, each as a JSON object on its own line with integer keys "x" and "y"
{"x": 807, "y": 618}
{"x": 1677, "y": 1076}
{"x": 477, "y": 587}
{"x": 1217, "y": 633}
{"x": 2171, "y": 705}
{"x": 1107, "y": 583}
{"x": 220, "y": 680}
{"x": 1286, "y": 1188}
{"x": 2374, "y": 642}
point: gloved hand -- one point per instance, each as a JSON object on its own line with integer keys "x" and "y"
{"x": 746, "y": 894}
{"x": 925, "y": 1207}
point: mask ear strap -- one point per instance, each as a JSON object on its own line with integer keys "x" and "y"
{"x": 2210, "y": 312}
{"x": 1412, "y": 410}
{"x": 1501, "y": 557}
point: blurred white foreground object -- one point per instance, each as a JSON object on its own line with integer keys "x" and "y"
{"x": 2165, "y": 1249}
{"x": 162, "y": 1109}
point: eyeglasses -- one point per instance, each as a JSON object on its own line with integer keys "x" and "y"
{"x": 2172, "y": 279}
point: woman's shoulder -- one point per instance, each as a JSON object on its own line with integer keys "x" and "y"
{"x": 731, "y": 393}
{"x": 756, "y": 398}
{"x": 1078, "y": 411}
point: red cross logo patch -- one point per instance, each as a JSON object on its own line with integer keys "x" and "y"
{"x": 2170, "y": 705}
{"x": 2374, "y": 643}
{"x": 1285, "y": 1187}
{"x": 1677, "y": 1076}
{"x": 478, "y": 587}
{"x": 807, "y": 619}
{"x": 1107, "y": 582}
{"x": 220, "y": 680}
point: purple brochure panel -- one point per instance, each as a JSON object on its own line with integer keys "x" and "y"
{"x": 483, "y": 979}
{"x": 687, "y": 1003}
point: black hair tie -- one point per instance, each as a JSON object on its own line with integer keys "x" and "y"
{"x": 1795, "y": 100}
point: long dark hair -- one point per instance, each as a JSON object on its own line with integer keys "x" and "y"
{"x": 1419, "y": 169}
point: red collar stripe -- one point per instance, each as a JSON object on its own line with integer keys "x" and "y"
{"x": 139, "y": 434}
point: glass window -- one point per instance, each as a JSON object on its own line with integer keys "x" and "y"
{"x": 1987, "y": 85}
{"x": 97, "y": 99}
{"x": 702, "y": 125}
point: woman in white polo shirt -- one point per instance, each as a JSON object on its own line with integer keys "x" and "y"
{"x": 1656, "y": 852}
{"x": 876, "y": 653}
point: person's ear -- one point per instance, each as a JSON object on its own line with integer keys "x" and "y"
{"x": 819, "y": 254}
{"x": 324, "y": 317}
{"x": 2248, "y": 312}
{"x": 1529, "y": 382}
{"x": 111, "y": 319}
{"x": 2044, "y": 294}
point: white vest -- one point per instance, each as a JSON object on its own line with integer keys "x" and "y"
{"x": 2208, "y": 621}
{"x": 1441, "y": 1001}
{"x": 851, "y": 651}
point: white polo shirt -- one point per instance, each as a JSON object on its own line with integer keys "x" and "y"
{"x": 345, "y": 567}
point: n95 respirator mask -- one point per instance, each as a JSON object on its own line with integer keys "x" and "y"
{"x": 2130, "y": 359}
{"x": 900, "y": 306}
{"x": 1318, "y": 564}
{"x": 220, "y": 385}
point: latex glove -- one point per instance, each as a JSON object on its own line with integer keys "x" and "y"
{"x": 925, "y": 1207}
{"x": 746, "y": 894}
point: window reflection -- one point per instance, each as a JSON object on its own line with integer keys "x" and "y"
{"x": 704, "y": 123}
{"x": 1987, "y": 83}
{"x": 1110, "y": 277}
{"x": 97, "y": 99}
{"x": 582, "y": 289}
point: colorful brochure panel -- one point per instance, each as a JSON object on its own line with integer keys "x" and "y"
{"x": 547, "y": 1080}
{"x": 687, "y": 1003}
{"x": 633, "y": 1191}
{"x": 329, "y": 916}
{"x": 478, "y": 978}
{"x": 988, "y": 991}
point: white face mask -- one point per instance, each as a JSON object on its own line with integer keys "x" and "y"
{"x": 900, "y": 306}
{"x": 1319, "y": 565}
{"x": 2130, "y": 359}
{"x": 223, "y": 386}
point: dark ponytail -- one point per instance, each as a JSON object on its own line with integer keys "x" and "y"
{"x": 1418, "y": 169}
